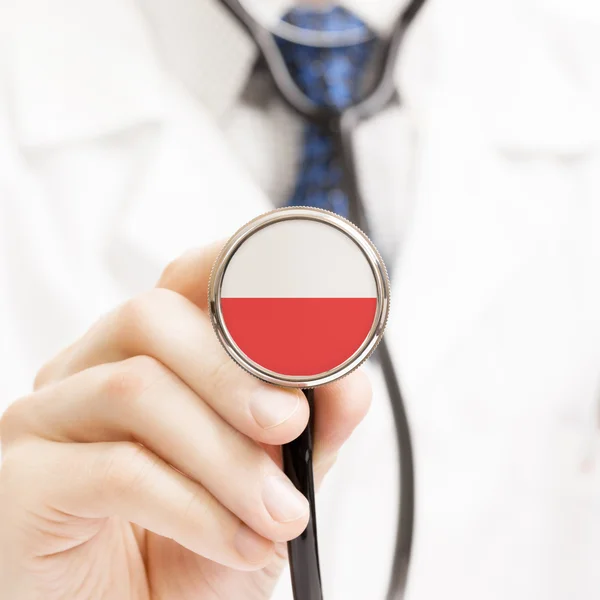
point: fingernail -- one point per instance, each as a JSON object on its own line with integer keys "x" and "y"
{"x": 251, "y": 546}
{"x": 283, "y": 501}
{"x": 271, "y": 408}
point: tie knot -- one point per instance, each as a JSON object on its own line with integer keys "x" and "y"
{"x": 330, "y": 76}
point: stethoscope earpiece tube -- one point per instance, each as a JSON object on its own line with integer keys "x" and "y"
{"x": 303, "y": 552}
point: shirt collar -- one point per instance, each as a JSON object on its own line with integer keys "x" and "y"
{"x": 85, "y": 68}
{"x": 377, "y": 14}
{"x": 214, "y": 56}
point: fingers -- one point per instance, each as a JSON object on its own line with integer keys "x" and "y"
{"x": 141, "y": 400}
{"x": 340, "y": 407}
{"x": 45, "y": 484}
{"x": 168, "y": 327}
{"x": 189, "y": 402}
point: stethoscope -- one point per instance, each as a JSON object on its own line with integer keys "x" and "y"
{"x": 303, "y": 552}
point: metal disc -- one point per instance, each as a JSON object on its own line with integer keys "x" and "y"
{"x": 299, "y": 297}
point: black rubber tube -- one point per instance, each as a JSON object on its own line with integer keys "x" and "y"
{"x": 303, "y": 551}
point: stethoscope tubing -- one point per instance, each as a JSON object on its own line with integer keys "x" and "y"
{"x": 297, "y": 456}
{"x": 303, "y": 551}
{"x": 376, "y": 99}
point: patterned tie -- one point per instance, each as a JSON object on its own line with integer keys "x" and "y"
{"x": 330, "y": 77}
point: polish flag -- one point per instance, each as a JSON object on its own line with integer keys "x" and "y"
{"x": 299, "y": 297}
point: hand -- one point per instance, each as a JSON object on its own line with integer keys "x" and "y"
{"x": 146, "y": 463}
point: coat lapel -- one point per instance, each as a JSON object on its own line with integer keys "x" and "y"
{"x": 193, "y": 190}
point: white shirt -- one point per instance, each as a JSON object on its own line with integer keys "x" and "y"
{"x": 126, "y": 137}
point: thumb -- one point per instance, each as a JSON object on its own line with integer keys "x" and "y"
{"x": 188, "y": 275}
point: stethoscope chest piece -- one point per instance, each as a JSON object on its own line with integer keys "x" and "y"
{"x": 299, "y": 297}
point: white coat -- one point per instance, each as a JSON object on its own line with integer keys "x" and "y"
{"x": 128, "y": 134}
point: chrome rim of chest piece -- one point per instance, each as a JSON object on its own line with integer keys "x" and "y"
{"x": 299, "y": 297}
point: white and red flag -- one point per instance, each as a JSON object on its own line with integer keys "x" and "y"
{"x": 299, "y": 297}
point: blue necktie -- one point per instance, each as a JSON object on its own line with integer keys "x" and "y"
{"x": 330, "y": 77}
